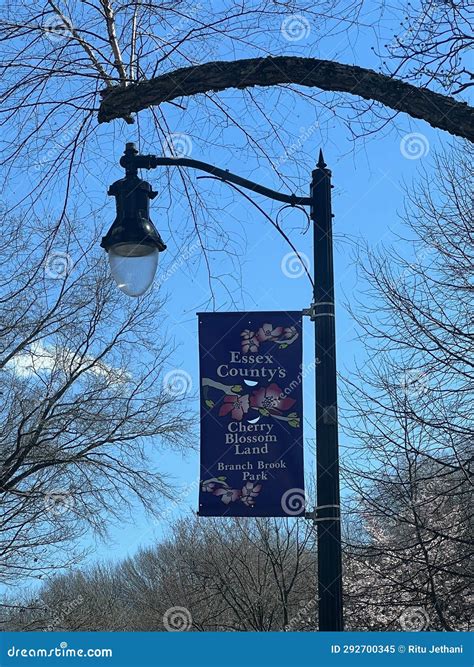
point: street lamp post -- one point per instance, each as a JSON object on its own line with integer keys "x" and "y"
{"x": 327, "y": 447}
{"x": 133, "y": 245}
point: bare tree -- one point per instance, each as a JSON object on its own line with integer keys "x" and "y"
{"x": 212, "y": 575}
{"x": 433, "y": 45}
{"x": 83, "y": 406}
{"x": 232, "y": 575}
{"x": 64, "y": 66}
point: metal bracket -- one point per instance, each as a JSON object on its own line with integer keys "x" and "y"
{"x": 310, "y": 312}
{"x": 315, "y": 514}
{"x": 313, "y": 314}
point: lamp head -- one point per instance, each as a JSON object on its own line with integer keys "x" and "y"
{"x": 133, "y": 244}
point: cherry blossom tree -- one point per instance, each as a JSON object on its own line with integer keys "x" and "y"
{"x": 410, "y": 418}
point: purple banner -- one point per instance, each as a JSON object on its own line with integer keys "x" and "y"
{"x": 251, "y": 414}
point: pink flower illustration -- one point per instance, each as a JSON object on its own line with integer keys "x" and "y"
{"x": 249, "y": 341}
{"x": 250, "y": 346}
{"x": 237, "y": 405}
{"x": 267, "y": 332}
{"x": 249, "y": 493}
{"x": 247, "y": 333}
{"x": 271, "y": 398}
{"x": 228, "y": 495}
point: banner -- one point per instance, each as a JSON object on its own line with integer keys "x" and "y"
{"x": 251, "y": 414}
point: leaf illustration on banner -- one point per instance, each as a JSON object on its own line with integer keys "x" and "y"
{"x": 210, "y": 485}
{"x": 293, "y": 420}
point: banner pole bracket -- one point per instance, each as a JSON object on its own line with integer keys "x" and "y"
{"x": 310, "y": 312}
{"x": 315, "y": 515}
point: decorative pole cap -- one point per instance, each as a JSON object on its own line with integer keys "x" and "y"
{"x": 321, "y": 164}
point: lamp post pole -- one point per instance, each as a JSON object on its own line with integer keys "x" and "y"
{"x": 327, "y": 448}
{"x": 133, "y": 223}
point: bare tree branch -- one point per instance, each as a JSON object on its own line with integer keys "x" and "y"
{"x": 438, "y": 110}
{"x": 110, "y": 22}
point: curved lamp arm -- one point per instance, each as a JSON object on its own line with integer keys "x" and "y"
{"x": 132, "y": 161}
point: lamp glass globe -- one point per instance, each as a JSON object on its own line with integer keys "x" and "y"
{"x": 133, "y": 267}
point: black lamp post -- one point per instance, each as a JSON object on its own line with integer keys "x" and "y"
{"x": 133, "y": 245}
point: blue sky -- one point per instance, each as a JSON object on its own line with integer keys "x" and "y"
{"x": 368, "y": 175}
